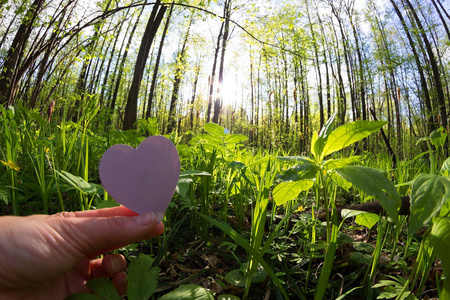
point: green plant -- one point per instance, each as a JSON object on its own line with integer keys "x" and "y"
{"x": 325, "y": 175}
{"x": 142, "y": 280}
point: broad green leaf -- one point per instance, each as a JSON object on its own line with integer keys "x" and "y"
{"x": 350, "y": 213}
{"x": 438, "y": 137}
{"x": 429, "y": 193}
{"x": 104, "y": 288}
{"x": 374, "y": 183}
{"x": 215, "y": 130}
{"x": 306, "y": 170}
{"x": 440, "y": 240}
{"x": 445, "y": 168}
{"x": 319, "y": 140}
{"x": 235, "y": 138}
{"x": 211, "y": 139}
{"x": 304, "y": 159}
{"x": 325, "y": 131}
{"x": 107, "y": 203}
{"x": 142, "y": 279}
{"x": 286, "y": 191}
{"x": 337, "y": 178}
{"x": 367, "y": 219}
{"x": 78, "y": 183}
{"x": 366, "y": 247}
{"x": 183, "y": 186}
{"x": 188, "y": 292}
{"x": 236, "y": 277}
{"x": 361, "y": 258}
{"x": 317, "y": 145}
{"x": 332, "y": 164}
{"x": 348, "y": 134}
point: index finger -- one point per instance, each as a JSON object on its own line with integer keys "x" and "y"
{"x": 103, "y": 212}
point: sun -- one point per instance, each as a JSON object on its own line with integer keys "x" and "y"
{"x": 231, "y": 91}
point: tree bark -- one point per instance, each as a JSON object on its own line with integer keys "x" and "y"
{"x": 150, "y": 32}
{"x": 219, "y": 98}
{"x": 434, "y": 66}
{"x": 177, "y": 81}
{"x": 9, "y": 78}
{"x": 156, "y": 69}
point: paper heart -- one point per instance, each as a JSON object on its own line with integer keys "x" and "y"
{"x": 142, "y": 179}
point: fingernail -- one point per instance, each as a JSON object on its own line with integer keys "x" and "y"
{"x": 145, "y": 218}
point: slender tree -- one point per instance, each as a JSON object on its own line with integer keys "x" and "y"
{"x": 153, "y": 23}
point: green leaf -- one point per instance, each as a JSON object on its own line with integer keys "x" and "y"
{"x": 349, "y": 213}
{"x": 286, "y": 191}
{"x": 235, "y": 138}
{"x": 319, "y": 140}
{"x": 367, "y": 219}
{"x": 104, "y": 288}
{"x": 374, "y": 183}
{"x": 348, "y": 134}
{"x": 440, "y": 240}
{"x": 304, "y": 159}
{"x": 188, "y": 292}
{"x": 236, "y": 277}
{"x": 438, "y": 137}
{"x": 107, "y": 203}
{"x": 429, "y": 193}
{"x": 445, "y": 168}
{"x": 183, "y": 186}
{"x": 246, "y": 245}
{"x": 4, "y": 195}
{"x": 305, "y": 170}
{"x": 337, "y": 178}
{"x": 78, "y": 183}
{"x": 366, "y": 247}
{"x": 215, "y": 130}
{"x": 142, "y": 279}
{"x": 332, "y": 164}
{"x": 317, "y": 144}
{"x": 361, "y": 258}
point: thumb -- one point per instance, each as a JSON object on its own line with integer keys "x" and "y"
{"x": 96, "y": 235}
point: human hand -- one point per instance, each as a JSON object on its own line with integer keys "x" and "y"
{"x": 51, "y": 257}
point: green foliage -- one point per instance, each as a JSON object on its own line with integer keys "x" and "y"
{"x": 188, "y": 292}
{"x": 440, "y": 241}
{"x": 142, "y": 278}
{"x": 286, "y": 191}
{"x": 429, "y": 193}
{"x": 374, "y": 183}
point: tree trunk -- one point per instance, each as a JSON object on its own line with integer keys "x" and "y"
{"x": 423, "y": 81}
{"x": 219, "y": 98}
{"x": 197, "y": 72}
{"x": 9, "y": 78}
{"x": 147, "y": 39}
{"x": 120, "y": 68}
{"x": 181, "y": 59}
{"x": 155, "y": 70}
{"x": 212, "y": 78}
{"x": 434, "y": 66}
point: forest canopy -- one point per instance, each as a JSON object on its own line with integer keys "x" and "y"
{"x": 274, "y": 70}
